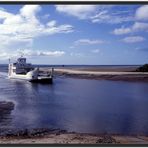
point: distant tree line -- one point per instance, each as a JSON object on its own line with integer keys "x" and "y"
{"x": 143, "y": 68}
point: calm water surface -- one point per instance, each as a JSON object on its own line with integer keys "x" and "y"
{"x": 91, "y": 106}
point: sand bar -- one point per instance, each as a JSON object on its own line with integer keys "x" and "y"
{"x": 70, "y": 71}
{"x": 99, "y": 74}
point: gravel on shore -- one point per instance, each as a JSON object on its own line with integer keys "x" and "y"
{"x": 57, "y": 136}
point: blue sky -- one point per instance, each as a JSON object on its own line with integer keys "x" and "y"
{"x": 75, "y": 34}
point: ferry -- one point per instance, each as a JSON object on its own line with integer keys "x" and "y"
{"x": 20, "y": 69}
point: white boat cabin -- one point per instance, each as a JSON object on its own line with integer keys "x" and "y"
{"x": 20, "y": 66}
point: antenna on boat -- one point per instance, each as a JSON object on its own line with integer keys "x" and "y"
{"x": 21, "y": 53}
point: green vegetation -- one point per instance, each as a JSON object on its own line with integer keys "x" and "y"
{"x": 143, "y": 68}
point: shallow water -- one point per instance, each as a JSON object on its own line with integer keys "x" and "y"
{"x": 80, "y": 105}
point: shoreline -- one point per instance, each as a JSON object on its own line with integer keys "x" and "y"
{"x": 57, "y": 136}
{"x": 115, "y": 74}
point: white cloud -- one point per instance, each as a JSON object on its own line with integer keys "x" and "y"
{"x": 96, "y": 51}
{"x": 30, "y": 53}
{"x": 88, "y": 42}
{"x": 4, "y": 55}
{"x": 137, "y": 26}
{"x": 25, "y": 26}
{"x": 96, "y": 13}
{"x": 4, "y": 14}
{"x": 79, "y": 11}
{"x": 46, "y": 16}
{"x": 51, "y": 53}
{"x": 57, "y": 29}
{"x": 142, "y": 13}
{"x": 106, "y": 16}
{"x": 77, "y": 54}
{"x": 29, "y": 11}
{"x": 121, "y": 30}
{"x": 51, "y": 23}
{"x": 133, "y": 39}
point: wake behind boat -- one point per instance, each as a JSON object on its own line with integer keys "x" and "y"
{"x": 25, "y": 71}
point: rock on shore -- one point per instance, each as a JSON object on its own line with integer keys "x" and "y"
{"x": 6, "y": 107}
{"x": 5, "y": 110}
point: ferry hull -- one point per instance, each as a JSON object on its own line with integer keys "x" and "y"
{"x": 42, "y": 80}
{"x": 19, "y": 78}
